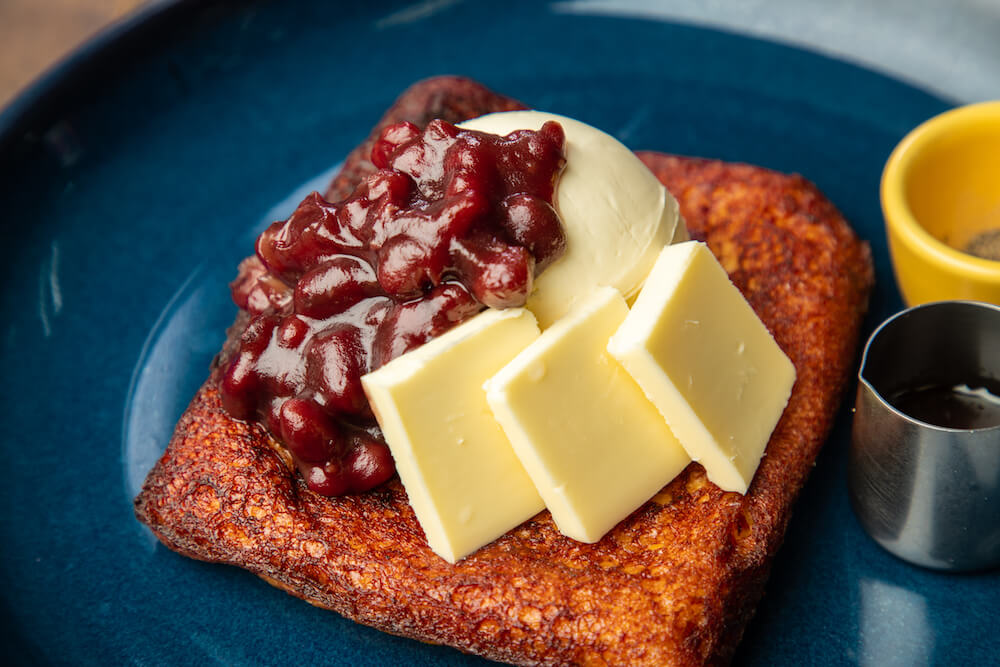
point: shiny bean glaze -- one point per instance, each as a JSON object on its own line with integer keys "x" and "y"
{"x": 452, "y": 221}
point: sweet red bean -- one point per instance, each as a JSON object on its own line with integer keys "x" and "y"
{"x": 452, "y": 221}
{"x": 292, "y": 332}
{"x": 334, "y": 286}
{"x": 308, "y": 431}
{"x": 411, "y": 324}
{"x": 390, "y": 140}
{"x": 532, "y": 222}
{"x": 239, "y": 386}
{"x": 403, "y": 270}
{"x": 335, "y": 362}
{"x": 326, "y": 479}
{"x": 368, "y": 464}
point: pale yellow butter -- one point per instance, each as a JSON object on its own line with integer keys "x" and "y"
{"x": 592, "y": 443}
{"x": 463, "y": 480}
{"x": 709, "y": 364}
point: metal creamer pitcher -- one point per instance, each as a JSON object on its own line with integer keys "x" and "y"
{"x": 929, "y": 494}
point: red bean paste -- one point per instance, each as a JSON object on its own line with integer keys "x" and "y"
{"x": 452, "y": 222}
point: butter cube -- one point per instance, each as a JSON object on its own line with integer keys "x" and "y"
{"x": 707, "y": 362}
{"x": 463, "y": 480}
{"x": 592, "y": 443}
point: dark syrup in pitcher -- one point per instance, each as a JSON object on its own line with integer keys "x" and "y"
{"x": 974, "y": 404}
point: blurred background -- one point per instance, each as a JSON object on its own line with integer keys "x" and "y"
{"x": 949, "y": 48}
{"x": 34, "y": 34}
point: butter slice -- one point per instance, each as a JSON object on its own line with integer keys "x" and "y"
{"x": 463, "y": 480}
{"x": 702, "y": 355}
{"x": 592, "y": 443}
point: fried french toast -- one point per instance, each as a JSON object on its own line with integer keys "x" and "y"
{"x": 673, "y": 584}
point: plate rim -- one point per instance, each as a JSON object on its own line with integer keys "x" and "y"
{"x": 105, "y": 56}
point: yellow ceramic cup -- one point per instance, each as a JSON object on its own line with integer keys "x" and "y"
{"x": 941, "y": 193}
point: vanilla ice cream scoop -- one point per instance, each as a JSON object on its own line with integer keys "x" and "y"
{"x": 616, "y": 215}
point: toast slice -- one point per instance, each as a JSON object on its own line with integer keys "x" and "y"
{"x": 673, "y": 584}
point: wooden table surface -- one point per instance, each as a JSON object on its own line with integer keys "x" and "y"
{"x": 34, "y": 34}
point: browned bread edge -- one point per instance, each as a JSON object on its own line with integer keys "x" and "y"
{"x": 673, "y": 584}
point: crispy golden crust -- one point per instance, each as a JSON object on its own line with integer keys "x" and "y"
{"x": 674, "y": 584}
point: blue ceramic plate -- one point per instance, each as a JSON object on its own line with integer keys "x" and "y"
{"x": 134, "y": 179}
